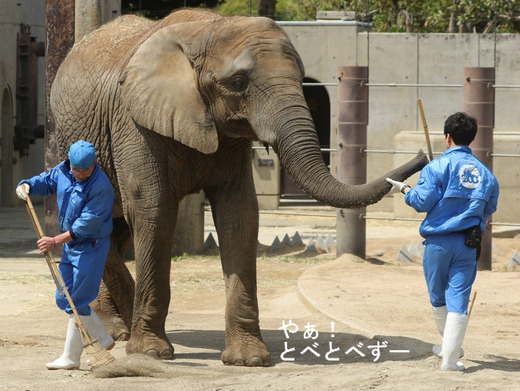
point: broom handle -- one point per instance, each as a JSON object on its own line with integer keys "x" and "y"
{"x": 50, "y": 260}
{"x": 36, "y": 224}
{"x": 425, "y": 126}
{"x": 472, "y": 301}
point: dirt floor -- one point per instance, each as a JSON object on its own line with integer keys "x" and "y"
{"x": 362, "y": 325}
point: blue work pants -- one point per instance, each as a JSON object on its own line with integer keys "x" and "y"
{"x": 450, "y": 268}
{"x": 81, "y": 267}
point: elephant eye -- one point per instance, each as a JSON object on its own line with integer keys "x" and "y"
{"x": 238, "y": 83}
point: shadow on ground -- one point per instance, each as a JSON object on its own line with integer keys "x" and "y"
{"x": 325, "y": 348}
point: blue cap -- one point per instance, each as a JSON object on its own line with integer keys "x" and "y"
{"x": 82, "y": 155}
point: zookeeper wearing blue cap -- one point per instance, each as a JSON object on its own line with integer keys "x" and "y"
{"x": 458, "y": 193}
{"x": 85, "y": 197}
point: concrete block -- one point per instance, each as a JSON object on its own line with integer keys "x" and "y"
{"x": 416, "y": 249}
{"x": 404, "y": 255}
{"x": 210, "y": 242}
{"x": 321, "y": 246}
{"x": 330, "y": 242}
{"x": 515, "y": 261}
{"x": 311, "y": 246}
{"x": 286, "y": 240}
{"x": 276, "y": 245}
{"x": 266, "y": 175}
{"x": 296, "y": 240}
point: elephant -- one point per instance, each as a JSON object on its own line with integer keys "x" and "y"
{"x": 173, "y": 107}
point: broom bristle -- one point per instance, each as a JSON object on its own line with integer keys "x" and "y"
{"x": 96, "y": 353}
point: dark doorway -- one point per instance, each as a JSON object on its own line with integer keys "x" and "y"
{"x": 318, "y": 101}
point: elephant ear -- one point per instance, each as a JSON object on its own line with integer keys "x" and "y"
{"x": 159, "y": 89}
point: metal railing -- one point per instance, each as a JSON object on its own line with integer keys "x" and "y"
{"x": 412, "y": 85}
{"x": 363, "y": 216}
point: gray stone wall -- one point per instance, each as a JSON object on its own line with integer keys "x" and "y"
{"x": 417, "y": 59}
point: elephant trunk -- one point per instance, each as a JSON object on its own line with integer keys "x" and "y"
{"x": 298, "y": 149}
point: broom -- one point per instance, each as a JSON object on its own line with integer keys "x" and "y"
{"x": 97, "y": 354}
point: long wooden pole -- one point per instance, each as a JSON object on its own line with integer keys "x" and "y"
{"x": 85, "y": 336}
{"x": 472, "y": 301}
{"x": 51, "y": 262}
{"x": 48, "y": 255}
{"x": 97, "y": 353}
{"x": 425, "y": 125}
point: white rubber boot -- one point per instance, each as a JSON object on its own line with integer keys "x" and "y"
{"x": 96, "y": 328}
{"x": 440, "y": 314}
{"x": 454, "y": 332}
{"x": 70, "y": 359}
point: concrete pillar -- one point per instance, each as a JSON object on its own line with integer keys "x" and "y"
{"x": 189, "y": 231}
{"x": 479, "y": 102}
{"x": 351, "y": 159}
{"x": 59, "y": 39}
{"x": 91, "y": 14}
{"x": 88, "y": 17}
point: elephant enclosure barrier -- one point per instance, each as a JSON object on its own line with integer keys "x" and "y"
{"x": 352, "y": 150}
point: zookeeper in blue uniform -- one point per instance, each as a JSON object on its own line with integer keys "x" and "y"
{"x": 85, "y": 197}
{"x": 458, "y": 193}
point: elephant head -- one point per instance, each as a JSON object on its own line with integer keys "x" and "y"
{"x": 241, "y": 78}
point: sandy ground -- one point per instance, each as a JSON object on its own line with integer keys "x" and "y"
{"x": 362, "y": 325}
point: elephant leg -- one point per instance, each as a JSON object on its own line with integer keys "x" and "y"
{"x": 153, "y": 237}
{"x": 114, "y": 303}
{"x": 107, "y": 310}
{"x": 235, "y": 212}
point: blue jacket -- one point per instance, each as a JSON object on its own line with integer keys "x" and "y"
{"x": 456, "y": 190}
{"x": 85, "y": 208}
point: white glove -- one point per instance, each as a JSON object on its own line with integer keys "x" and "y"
{"x": 396, "y": 186}
{"x": 19, "y": 191}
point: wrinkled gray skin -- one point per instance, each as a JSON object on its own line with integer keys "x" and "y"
{"x": 172, "y": 108}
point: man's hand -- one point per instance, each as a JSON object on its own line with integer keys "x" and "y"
{"x": 46, "y": 244}
{"x": 19, "y": 191}
{"x": 397, "y": 186}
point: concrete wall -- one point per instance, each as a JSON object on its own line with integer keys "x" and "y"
{"x": 434, "y": 59}
{"x": 415, "y": 59}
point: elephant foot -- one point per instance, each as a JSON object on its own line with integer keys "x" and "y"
{"x": 152, "y": 342}
{"x": 251, "y": 353}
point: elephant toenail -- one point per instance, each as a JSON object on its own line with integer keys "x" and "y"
{"x": 152, "y": 353}
{"x": 255, "y": 362}
{"x": 166, "y": 355}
